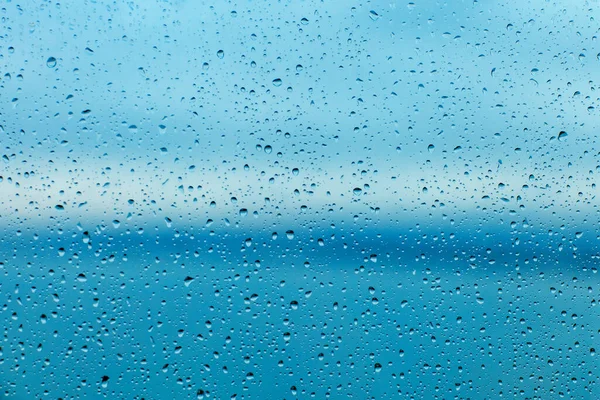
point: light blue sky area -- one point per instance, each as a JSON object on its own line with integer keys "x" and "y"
{"x": 415, "y": 104}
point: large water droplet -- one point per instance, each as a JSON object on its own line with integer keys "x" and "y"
{"x": 562, "y": 136}
{"x": 373, "y": 15}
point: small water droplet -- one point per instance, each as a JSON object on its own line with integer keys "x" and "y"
{"x": 277, "y": 82}
{"x": 51, "y": 62}
{"x": 220, "y": 54}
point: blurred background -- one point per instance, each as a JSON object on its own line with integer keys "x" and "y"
{"x": 299, "y": 199}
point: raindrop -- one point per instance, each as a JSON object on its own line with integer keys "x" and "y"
{"x": 562, "y": 136}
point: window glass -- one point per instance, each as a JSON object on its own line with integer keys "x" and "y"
{"x": 299, "y": 199}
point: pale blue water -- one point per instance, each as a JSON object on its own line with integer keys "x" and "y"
{"x": 294, "y": 200}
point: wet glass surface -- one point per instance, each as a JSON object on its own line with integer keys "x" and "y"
{"x": 292, "y": 200}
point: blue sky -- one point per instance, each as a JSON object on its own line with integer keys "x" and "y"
{"x": 418, "y": 105}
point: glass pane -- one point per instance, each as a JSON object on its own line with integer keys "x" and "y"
{"x": 299, "y": 199}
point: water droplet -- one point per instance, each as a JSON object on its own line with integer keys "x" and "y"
{"x": 81, "y": 278}
{"x": 562, "y": 136}
{"x": 188, "y": 280}
{"x": 290, "y": 234}
{"x": 220, "y": 54}
{"x": 277, "y": 82}
{"x": 51, "y": 62}
{"x": 373, "y": 15}
{"x": 299, "y": 68}
{"x": 357, "y": 191}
